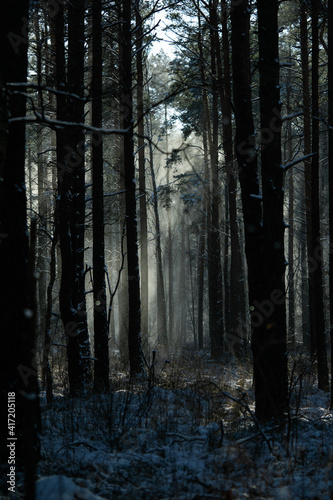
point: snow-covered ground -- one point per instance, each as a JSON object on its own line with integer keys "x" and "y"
{"x": 186, "y": 438}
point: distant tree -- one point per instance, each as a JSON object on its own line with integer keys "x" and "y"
{"x": 162, "y": 334}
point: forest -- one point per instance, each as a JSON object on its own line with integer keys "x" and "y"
{"x": 166, "y": 249}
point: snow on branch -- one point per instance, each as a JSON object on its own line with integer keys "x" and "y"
{"x": 295, "y": 162}
{"x": 38, "y": 118}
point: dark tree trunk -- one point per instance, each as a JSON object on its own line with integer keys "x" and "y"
{"x": 263, "y": 234}
{"x": 46, "y": 372}
{"x": 235, "y": 338}
{"x": 71, "y": 179}
{"x": 17, "y": 314}
{"x": 269, "y": 339}
{"x": 101, "y": 344}
{"x": 134, "y": 305}
{"x": 309, "y": 339}
{"x": 206, "y": 191}
{"x": 142, "y": 181}
{"x": 122, "y": 294}
{"x": 41, "y": 180}
{"x": 291, "y": 226}
{"x": 315, "y": 263}
{"x": 216, "y": 327}
{"x": 330, "y": 162}
{"x": 245, "y": 148}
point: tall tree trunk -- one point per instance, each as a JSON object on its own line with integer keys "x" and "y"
{"x": 246, "y": 153}
{"x": 134, "y": 305}
{"x": 142, "y": 180}
{"x": 291, "y": 228}
{"x": 216, "y": 327}
{"x": 17, "y": 314}
{"x": 330, "y": 162}
{"x": 206, "y": 191}
{"x": 162, "y": 335}
{"x": 71, "y": 178}
{"x": 263, "y": 235}
{"x": 269, "y": 338}
{"x": 41, "y": 180}
{"x": 101, "y": 345}
{"x": 169, "y": 238}
{"x": 310, "y": 342}
{"x": 46, "y": 371}
{"x": 316, "y": 246}
{"x": 235, "y": 336}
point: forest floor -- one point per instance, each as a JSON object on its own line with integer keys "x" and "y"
{"x": 191, "y": 436}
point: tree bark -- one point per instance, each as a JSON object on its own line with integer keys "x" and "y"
{"x": 215, "y": 293}
{"x": 142, "y": 180}
{"x": 236, "y": 337}
{"x": 291, "y": 226}
{"x": 71, "y": 182}
{"x": 134, "y": 305}
{"x": 309, "y": 340}
{"x": 17, "y": 311}
{"x": 162, "y": 335}
{"x": 269, "y": 339}
{"x": 264, "y": 227}
{"x": 101, "y": 344}
{"x": 206, "y": 191}
{"x": 330, "y": 162}
{"x": 316, "y": 245}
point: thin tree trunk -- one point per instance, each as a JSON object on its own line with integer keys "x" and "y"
{"x": 47, "y": 374}
{"x": 42, "y": 206}
{"x": 101, "y": 345}
{"x": 330, "y": 162}
{"x": 216, "y": 326}
{"x": 170, "y": 239}
{"x": 291, "y": 281}
{"x": 206, "y": 191}
{"x": 134, "y": 305}
{"x": 142, "y": 180}
{"x": 161, "y": 302}
{"x": 310, "y": 342}
{"x": 237, "y": 298}
{"x": 316, "y": 246}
